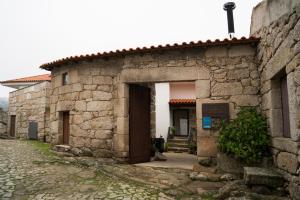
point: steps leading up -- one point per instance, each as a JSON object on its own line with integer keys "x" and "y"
{"x": 178, "y": 145}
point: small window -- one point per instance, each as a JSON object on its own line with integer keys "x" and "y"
{"x": 65, "y": 79}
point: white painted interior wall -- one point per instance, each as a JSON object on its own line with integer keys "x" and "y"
{"x": 162, "y": 109}
{"x": 182, "y": 90}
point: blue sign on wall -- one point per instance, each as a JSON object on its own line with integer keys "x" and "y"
{"x": 206, "y": 122}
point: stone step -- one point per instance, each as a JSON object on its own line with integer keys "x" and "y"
{"x": 184, "y": 145}
{"x": 178, "y": 140}
{"x": 178, "y": 149}
{"x": 62, "y": 148}
{"x": 263, "y": 176}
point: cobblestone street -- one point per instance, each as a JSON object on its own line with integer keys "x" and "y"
{"x": 26, "y": 172}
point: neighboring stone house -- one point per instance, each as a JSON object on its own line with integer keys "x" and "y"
{"x": 28, "y": 112}
{"x": 3, "y": 124}
{"x": 277, "y": 23}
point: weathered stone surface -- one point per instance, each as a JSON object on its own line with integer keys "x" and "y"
{"x": 102, "y": 80}
{"x": 228, "y": 164}
{"x": 102, "y": 153}
{"x": 216, "y": 52}
{"x": 223, "y": 89}
{"x": 287, "y": 162}
{"x": 102, "y": 96}
{"x": 98, "y": 105}
{"x": 294, "y": 190}
{"x": 262, "y": 176}
{"x": 80, "y": 105}
{"x": 241, "y": 51}
{"x": 202, "y": 88}
{"x": 285, "y": 144}
{"x": 245, "y": 100}
{"x": 207, "y": 146}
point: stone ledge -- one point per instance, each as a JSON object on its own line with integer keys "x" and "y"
{"x": 285, "y": 144}
{"x": 262, "y": 176}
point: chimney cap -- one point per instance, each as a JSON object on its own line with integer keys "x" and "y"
{"x": 229, "y": 6}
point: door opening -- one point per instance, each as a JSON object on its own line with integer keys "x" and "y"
{"x": 181, "y": 122}
{"x": 66, "y": 127}
{"x": 285, "y": 107}
{"x": 12, "y": 125}
{"x": 139, "y": 124}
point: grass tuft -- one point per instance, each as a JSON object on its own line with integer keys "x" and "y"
{"x": 43, "y": 148}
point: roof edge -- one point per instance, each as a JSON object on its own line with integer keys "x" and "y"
{"x": 217, "y": 42}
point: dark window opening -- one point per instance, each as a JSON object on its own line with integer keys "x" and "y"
{"x": 65, "y": 79}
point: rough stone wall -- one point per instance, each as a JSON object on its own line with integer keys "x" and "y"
{"x": 3, "y": 123}
{"x": 279, "y": 56}
{"x": 89, "y": 97}
{"x": 30, "y": 104}
{"x": 97, "y": 95}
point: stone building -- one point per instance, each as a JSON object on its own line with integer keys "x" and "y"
{"x": 3, "y": 123}
{"x": 100, "y": 102}
{"x": 103, "y": 104}
{"x": 277, "y": 23}
{"x": 28, "y": 112}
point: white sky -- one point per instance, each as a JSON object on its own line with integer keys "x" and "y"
{"x": 34, "y": 32}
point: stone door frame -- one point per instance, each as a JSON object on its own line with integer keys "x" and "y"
{"x": 201, "y": 77}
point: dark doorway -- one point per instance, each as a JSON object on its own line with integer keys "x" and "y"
{"x": 181, "y": 122}
{"x": 139, "y": 124}
{"x": 285, "y": 107}
{"x": 12, "y": 125}
{"x": 33, "y": 131}
{"x": 66, "y": 127}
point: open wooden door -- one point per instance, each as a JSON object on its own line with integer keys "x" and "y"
{"x": 139, "y": 124}
{"x": 66, "y": 127}
{"x": 12, "y": 125}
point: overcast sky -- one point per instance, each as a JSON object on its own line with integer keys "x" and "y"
{"x": 34, "y": 32}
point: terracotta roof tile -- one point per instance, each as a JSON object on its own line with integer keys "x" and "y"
{"x": 38, "y": 78}
{"x": 182, "y": 102}
{"x": 243, "y": 40}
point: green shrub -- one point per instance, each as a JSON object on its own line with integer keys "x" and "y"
{"x": 246, "y": 136}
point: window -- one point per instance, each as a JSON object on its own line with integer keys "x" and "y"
{"x": 65, "y": 78}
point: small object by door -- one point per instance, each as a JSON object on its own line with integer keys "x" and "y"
{"x": 12, "y": 125}
{"x": 33, "y": 131}
{"x": 66, "y": 127}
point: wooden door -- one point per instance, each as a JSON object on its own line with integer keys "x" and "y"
{"x": 139, "y": 124}
{"x": 12, "y": 125}
{"x": 66, "y": 127}
{"x": 285, "y": 108}
{"x": 181, "y": 122}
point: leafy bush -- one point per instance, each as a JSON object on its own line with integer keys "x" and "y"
{"x": 246, "y": 136}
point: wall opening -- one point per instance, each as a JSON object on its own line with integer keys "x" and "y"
{"x": 285, "y": 107}
{"x": 66, "y": 127}
{"x": 12, "y": 131}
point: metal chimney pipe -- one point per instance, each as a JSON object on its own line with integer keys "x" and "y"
{"x": 229, "y": 7}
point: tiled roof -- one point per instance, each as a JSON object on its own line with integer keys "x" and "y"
{"x": 38, "y": 78}
{"x": 184, "y": 45}
{"x": 182, "y": 102}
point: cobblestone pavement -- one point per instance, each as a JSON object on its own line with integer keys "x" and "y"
{"x": 26, "y": 173}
